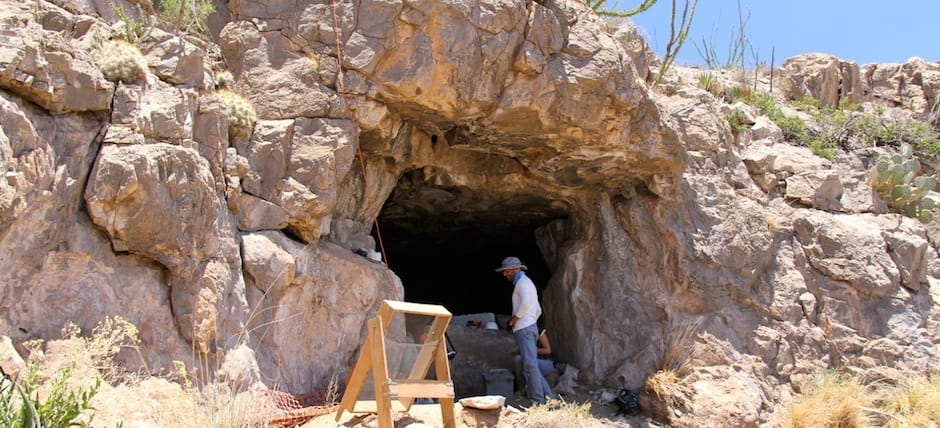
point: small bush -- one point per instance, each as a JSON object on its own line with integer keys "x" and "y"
{"x": 838, "y": 399}
{"x": 241, "y": 115}
{"x": 822, "y": 149}
{"x": 187, "y": 15}
{"x": 793, "y": 128}
{"x": 737, "y": 121}
{"x": 808, "y": 104}
{"x": 120, "y": 61}
{"x": 224, "y": 80}
{"x": 709, "y": 82}
{"x": 132, "y": 30}
{"x": 61, "y": 406}
{"x": 765, "y": 103}
{"x": 740, "y": 92}
{"x": 108, "y": 338}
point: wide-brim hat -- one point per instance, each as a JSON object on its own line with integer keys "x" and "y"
{"x": 510, "y": 263}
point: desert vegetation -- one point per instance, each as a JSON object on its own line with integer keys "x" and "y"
{"x": 841, "y": 399}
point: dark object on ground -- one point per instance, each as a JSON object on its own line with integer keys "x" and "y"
{"x": 627, "y": 402}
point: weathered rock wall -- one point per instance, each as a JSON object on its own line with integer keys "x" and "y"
{"x": 134, "y": 199}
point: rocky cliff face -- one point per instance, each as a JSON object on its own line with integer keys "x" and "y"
{"x": 469, "y": 119}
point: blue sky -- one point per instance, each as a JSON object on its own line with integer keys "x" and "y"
{"x": 864, "y": 31}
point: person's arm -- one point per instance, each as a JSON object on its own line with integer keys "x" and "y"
{"x": 546, "y": 346}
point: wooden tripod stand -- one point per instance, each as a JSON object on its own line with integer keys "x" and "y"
{"x": 374, "y": 358}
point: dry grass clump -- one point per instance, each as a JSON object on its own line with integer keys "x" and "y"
{"x": 837, "y": 399}
{"x": 914, "y": 403}
{"x": 833, "y": 399}
{"x": 560, "y": 414}
{"x": 668, "y": 387}
{"x": 677, "y": 347}
{"x": 215, "y": 406}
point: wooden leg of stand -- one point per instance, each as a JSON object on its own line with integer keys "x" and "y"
{"x": 383, "y": 402}
{"x": 442, "y": 369}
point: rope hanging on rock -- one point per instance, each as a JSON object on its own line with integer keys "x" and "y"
{"x": 341, "y": 88}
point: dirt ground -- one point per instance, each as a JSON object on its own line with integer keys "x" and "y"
{"x": 512, "y": 415}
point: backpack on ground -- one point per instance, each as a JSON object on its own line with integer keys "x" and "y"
{"x": 627, "y": 402}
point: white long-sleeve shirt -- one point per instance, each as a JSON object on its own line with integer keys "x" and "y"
{"x": 525, "y": 302}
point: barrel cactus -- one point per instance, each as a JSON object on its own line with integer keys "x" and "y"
{"x": 120, "y": 61}
{"x": 895, "y": 177}
{"x": 241, "y": 115}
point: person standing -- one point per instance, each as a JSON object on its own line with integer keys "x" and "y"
{"x": 525, "y": 312}
{"x": 545, "y": 360}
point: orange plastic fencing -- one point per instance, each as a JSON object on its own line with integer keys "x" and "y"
{"x": 279, "y": 409}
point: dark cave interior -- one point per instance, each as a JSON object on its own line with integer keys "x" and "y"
{"x": 445, "y": 243}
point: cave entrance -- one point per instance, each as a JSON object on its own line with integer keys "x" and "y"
{"x": 445, "y": 242}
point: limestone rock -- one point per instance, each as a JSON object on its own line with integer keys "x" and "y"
{"x": 175, "y": 59}
{"x": 544, "y": 38}
{"x": 474, "y": 119}
{"x": 912, "y": 85}
{"x": 819, "y": 189}
{"x": 133, "y": 188}
{"x": 240, "y": 370}
{"x": 41, "y": 67}
{"x": 475, "y": 356}
{"x": 312, "y": 329}
{"x": 257, "y": 214}
{"x": 848, "y": 249}
{"x": 280, "y": 82}
{"x": 770, "y": 163}
{"x": 822, "y": 77}
{"x": 155, "y": 109}
{"x": 11, "y": 362}
{"x": 270, "y": 266}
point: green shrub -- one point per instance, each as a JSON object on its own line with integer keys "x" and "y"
{"x": 737, "y": 121}
{"x": 808, "y": 104}
{"x": 765, "y": 103}
{"x": 121, "y": 61}
{"x": 822, "y": 149}
{"x": 709, "y": 82}
{"x": 895, "y": 177}
{"x": 132, "y": 30}
{"x": 740, "y": 92}
{"x": 21, "y": 406}
{"x": 793, "y": 128}
{"x": 241, "y": 115}
{"x": 224, "y": 80}
{"x": 187, "y": 15}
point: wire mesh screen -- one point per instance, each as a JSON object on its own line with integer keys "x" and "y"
{"x": 405, "y": 339}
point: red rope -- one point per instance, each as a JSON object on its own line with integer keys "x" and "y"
{"x": 341, "y": 88}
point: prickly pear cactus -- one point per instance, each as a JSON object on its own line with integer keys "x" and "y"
{"x": 895, "y": 177}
